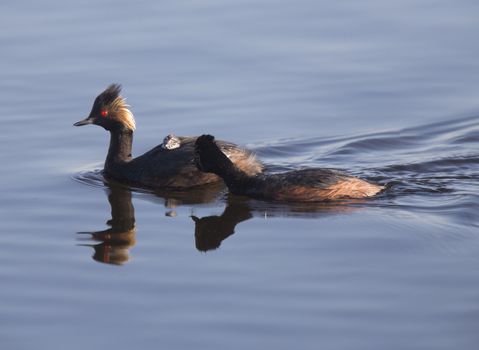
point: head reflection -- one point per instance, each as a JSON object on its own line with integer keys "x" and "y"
{"x": 116, "y": 241}
{"x": 210, "y": 231}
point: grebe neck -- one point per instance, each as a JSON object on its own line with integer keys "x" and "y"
{"x": 234, "y": 178}
{"x": 120, "y": 147}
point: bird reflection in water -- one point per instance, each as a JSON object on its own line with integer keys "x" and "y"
{"x": 116, "y": 241}
{"x": 210, "y": 231}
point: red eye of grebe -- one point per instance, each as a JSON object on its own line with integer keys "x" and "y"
{"x": 104, "y": 112}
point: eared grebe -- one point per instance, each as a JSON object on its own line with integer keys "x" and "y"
{"x": 308, "y": 185}
{"x": 169, "y": 165}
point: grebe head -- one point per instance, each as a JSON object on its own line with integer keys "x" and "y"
{"x": 110, "y": 111}
{"x": 208, "y": 156}
{"x": 202, "y": 143}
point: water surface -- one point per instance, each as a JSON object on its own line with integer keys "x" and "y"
{"x": 385, "y": 90}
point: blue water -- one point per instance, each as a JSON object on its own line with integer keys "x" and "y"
{"x": 385, "y": 90}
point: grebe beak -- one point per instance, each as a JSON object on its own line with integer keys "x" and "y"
{"x": 84, "y": 122}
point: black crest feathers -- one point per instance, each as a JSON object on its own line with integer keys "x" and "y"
{"x": 110, "y": 94}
